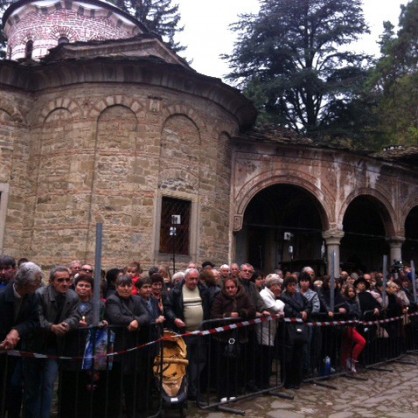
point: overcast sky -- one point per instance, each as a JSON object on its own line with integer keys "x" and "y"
{"x": 207, "y": 35}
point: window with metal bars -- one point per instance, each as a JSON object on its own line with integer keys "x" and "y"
{"x": 175, "y": 226}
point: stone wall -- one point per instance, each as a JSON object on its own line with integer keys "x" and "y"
{"x": 108, "y": 153}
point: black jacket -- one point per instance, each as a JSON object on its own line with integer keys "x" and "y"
{"x": 27, "y": 321}
{"x": 354, "y": 311}
{"x": 224, "y": 305}
{"x": 367, "y": 304}
{"x": 120, "y": 313}
{"x": 325, "y": 300}
{"x": 295, "y": 304}
{"x": 49, "y": 314}
{"x": 175, "y": 305}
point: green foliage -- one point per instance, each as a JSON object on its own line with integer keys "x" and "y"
{"x": 3, "y": 6}
{"x": 2, "y": 43}
{"x": 292, "y": 60}
{"x": 160, "y": 16}
{"x": 395, "y": 80}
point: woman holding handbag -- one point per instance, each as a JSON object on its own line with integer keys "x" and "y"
{"x": 232, "y": 303}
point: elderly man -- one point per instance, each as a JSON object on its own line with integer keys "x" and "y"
{"x": 19, "y": 319}
{"x": 309, "y": 270}
{"x": 188, "y": 306}
{"x": 245, "y": 275}
{"x": 225, "y": 272}
{"x": 246, "y": 272}
{"x": 234, "y": 270}
{"x": 75, "y": 267}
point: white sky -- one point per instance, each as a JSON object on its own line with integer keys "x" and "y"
{"x": 207, "y": 33}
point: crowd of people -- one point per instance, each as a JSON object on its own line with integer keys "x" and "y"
{"x": 42, "y": 316}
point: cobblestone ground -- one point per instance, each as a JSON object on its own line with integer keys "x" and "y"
{"x": 385, "y": 394}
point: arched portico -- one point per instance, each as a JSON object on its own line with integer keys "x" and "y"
{"x": 266, "y": 180}
{"x": 282, "y": 227}
{"x": 337, "y": 184}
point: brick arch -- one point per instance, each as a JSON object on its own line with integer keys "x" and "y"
{"x": 69, "y": 32}
{"x": 181, "y": 109}
{"x": 390, "y": 218}
{"x": 175, "y": 115}
{"x": 12, "y": 111}
{"x": 134, "y": 105}
{"x": 411, "y": 204}
{"x": 325, "y": 202}
{"x": 59, "y": 103}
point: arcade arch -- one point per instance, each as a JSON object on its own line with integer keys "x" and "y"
{"x": 410, "y": 246}
{"x": 285, "y": 225}
{"x": 368, "y": 229}
{"x": 282, "y": 227}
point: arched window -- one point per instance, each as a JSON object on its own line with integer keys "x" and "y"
{"x": 29, "y": 50}
{"x": 63, "y": 40}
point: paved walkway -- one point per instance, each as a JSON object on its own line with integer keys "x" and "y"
{"x": 383, "y": 395}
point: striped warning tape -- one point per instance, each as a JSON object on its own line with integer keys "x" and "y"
{"x": 216, "y": 330}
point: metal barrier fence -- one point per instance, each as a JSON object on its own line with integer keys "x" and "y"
{"x": 101, "y": 373}
{"x": 115, "y": 373}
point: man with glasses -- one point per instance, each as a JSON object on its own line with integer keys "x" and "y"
{"x": 86, "y": 271}
{"x": 58, "y": 315}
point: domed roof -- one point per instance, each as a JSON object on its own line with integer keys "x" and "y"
{"x": 32, "y": 27}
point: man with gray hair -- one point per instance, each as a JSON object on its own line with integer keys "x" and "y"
{"x": 310, "y": 271}
{"x": 57, "y": 315}
{"x": 19, "y": 319}
{"x": 187, "y": 307}
{"x": 225, "y": 272}
{"x": 246, "y": 272}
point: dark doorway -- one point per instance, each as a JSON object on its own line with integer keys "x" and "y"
{"x": 410, "y": 246}
{"x": 282, "y": 228}
{"x": 364, "y": 243}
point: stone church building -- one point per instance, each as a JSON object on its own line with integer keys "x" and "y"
{"x": 100, "y": 122}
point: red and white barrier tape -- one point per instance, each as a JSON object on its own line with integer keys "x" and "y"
{"x": 216, "y": 330}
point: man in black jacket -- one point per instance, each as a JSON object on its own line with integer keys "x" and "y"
{"x": 188, "y": 306}
{"x": 57, "y": 316}
{"x": 18, "y": 320}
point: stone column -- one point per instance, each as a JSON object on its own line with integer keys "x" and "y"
{"x": 332, "y": 239}
{"x": 395, "y": 244}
